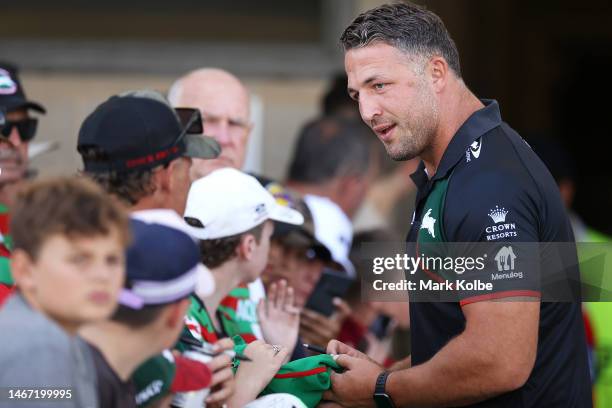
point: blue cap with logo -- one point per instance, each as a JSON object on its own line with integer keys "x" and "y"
{"x": 163, "y": 266}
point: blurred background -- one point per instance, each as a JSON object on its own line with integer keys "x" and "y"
{"x": 547, "y": 62}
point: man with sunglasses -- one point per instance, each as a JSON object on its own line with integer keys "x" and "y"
{"x": 17, "y": 128}
{"x": 140, "y": 149}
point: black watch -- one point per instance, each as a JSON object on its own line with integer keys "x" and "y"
{"x": 381, "y": 398}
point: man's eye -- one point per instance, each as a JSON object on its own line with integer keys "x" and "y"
{"x": 238, "y": 125}
{"x": 113, "y": 260}
{"x": 211, "y": 120}
{"x": 379, "y": 86}
{"x": 78, "y": 259}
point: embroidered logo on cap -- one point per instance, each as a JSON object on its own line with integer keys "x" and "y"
{"x": 7, "y": 85}
{"x": 261, "y": 212}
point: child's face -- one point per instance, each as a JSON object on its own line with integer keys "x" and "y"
{"x": 77, "y": 281}
{"x": 296, "y": 268}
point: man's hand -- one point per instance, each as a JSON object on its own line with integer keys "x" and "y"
{"x": 355, "y": 386}
{"x": 253, "y": 376}
{"x": 318, "y": 329}
{"x": 222, "y": 385}
{"x": 278, "y": 316}
{"x": 338, "y": 347}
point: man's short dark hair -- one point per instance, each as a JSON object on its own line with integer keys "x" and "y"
{"x": 137, "y": 318}
{"x": 331, "y": 147}
{"x": 216, "y": 252}
{"x": 129, "y": 187}
{"x": 406, "y": 26}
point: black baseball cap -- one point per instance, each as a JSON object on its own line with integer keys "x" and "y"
{"x": 12, "y": 95}
{"x": 138, "y": 130}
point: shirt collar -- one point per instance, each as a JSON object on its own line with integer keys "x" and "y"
{"x": 479, "y": 123}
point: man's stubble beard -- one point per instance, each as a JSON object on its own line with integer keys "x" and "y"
{"x": 421, "y": 130}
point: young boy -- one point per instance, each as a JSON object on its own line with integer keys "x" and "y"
{"x": 68, "y": 264}
{"x": 232, "y": 216}
{"x": 163, "y": 268}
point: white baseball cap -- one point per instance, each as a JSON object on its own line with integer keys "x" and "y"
{"x": 333, "y": 229}
{"x": 229, "y": 202}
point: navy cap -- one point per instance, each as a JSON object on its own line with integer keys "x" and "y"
{"x": 138, "y": 130}
{"x": 163, "y": 266}
{"x": 12, "y": 95}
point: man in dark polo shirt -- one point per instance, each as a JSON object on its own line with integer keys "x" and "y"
{"x": 478, "y": 182}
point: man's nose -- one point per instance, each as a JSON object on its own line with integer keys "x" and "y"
{"x": 14, "y": 137}
{"x": 368, "y": 108}
{"x": 220, "y": 131}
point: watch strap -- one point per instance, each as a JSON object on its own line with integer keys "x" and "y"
{"x": 380, "y": 382}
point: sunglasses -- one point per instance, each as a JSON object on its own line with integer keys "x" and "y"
{"x": 26, "y": 128}
{"x": 191, "y": 120}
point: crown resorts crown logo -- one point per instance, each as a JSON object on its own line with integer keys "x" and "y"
{"x": 498, "y": 214}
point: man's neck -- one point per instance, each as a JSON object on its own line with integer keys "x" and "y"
{"x": 459, "y": 105}
{"x": 123, "y": 348}
{"x": 146, "y": 203}
{"x": 227, "y": 277}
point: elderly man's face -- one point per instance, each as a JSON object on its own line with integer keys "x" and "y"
{"x": 225, "y": 110}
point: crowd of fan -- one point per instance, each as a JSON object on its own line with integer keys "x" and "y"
{"x": 162, "y": 275}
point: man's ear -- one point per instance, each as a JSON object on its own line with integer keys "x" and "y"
{"x": 21, "y": 270}
{"x": 176, "y": 313}
{"x": 438, "y": 70}
{"x": 246, "y": 247}
{"x": 162, "y": 178}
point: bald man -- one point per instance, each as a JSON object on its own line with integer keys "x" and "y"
{"x": 224, "y": 102}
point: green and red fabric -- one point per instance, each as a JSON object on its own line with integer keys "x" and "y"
{"x": 307, "y": 378}
{"x": 167, "y": 373}
{"x": 190, "y": 375}
{"x": 238, "y": 314}
{"x": 198, "y": 322}
{"x": 153, "y": 378}
{"x": 6, "y": 246}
